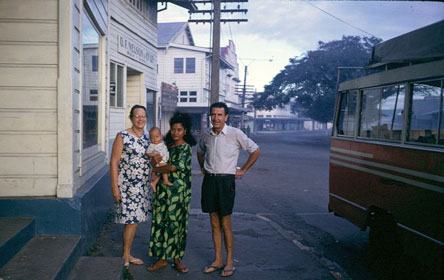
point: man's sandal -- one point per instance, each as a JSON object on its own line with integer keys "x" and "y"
{"x": 227, "y": 272}
{"x": 211, "y": 269}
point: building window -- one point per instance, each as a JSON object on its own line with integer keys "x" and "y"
{"x": 178, "y": 65}
{"x": 188, "y": 96}
{"x": 147, "y": 8}
{"x": 93, "y": 93}
{"x": 95, "y": 63}
{"x": 90, "y": 81}
{"x": 116, "y": 85}
{"x": 191, "y": 65}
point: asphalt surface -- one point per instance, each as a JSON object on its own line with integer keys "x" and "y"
{"x": 282, "y": 226}
{"x": 264, "y": 249}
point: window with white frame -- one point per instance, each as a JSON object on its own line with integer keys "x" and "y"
{"x": 95, "y": 63}
{"x": 116, "y": 85}
{"x": 178, "y": 65}
{"x": 188, "y": 96}
{"x": 190, "y": 65}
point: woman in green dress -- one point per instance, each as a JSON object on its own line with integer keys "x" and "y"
{"x": 171, "y": 204}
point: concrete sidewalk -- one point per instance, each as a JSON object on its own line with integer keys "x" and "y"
{"x": 262, "y": 251}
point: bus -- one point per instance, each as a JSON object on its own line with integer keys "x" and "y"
{"x": 387, "y": 148}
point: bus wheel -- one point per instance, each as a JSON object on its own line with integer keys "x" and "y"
{"x": 384, "y": 245}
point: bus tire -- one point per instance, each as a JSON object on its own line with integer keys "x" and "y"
{"x": 384, "y": 244}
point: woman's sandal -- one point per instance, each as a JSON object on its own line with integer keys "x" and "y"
{"x": 211, "y": 269}
{"x": 229, "y": 271}
{"x": 135, "y": 261}
{"x": 155, "y": 266}
{"x": 181, "y": 268}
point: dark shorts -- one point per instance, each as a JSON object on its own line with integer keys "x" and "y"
{"x": 218, "y": 194}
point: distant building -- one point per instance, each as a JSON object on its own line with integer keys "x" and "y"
{"x": 187, "y": 66}
{"x": 278, "y": 119}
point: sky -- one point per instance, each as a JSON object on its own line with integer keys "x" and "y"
{"x": 284, "y": 29}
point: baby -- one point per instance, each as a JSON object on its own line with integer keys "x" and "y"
{"x": 158, "y": 147}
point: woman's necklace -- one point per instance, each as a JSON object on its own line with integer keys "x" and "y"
{"x": 138, "y": 136}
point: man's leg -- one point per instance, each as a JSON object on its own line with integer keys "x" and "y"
{"x": 217, "y": 239}
{"x": 229, "y": 241}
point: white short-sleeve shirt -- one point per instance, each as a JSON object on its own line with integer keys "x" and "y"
{"x": 221, "y": 151}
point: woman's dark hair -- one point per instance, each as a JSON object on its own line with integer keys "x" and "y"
{"x": 185, "y": 121}
{"x": 134, "y": 108}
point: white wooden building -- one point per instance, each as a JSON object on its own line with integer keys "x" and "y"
{"x": 70, "y": 70}
{"x": 187, "y": 66}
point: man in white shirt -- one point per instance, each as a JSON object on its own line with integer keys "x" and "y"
{"x": 217, "y": 153}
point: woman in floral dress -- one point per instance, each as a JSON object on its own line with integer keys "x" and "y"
{"x": 130, "y": 172}
{"x": 171, "y": 204}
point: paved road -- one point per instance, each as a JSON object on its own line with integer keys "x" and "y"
{"x": 282, "y": 226}
{"x": 289, "y": 186}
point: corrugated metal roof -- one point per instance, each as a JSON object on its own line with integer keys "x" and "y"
{"x": 169, "y": 30}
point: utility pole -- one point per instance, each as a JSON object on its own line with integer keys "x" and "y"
{"x": 243, "y": 96}
{"x": 244, "y": 88}
{"x": 216, "y": 20}
{"x": 215, "y": 61}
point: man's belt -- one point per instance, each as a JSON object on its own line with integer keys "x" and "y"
{"x": 218, "y": 174}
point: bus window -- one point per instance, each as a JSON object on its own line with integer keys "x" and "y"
{"x": 346, "y": 118}
{"x": 382, "y": 113}
{"x": 370, "y": 113}
{"x": 391, "y": 115}
{"x": 425, "y": 113}
{"x": 441, "y": 131}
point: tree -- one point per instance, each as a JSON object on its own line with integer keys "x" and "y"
{"x": 310, "y": 81}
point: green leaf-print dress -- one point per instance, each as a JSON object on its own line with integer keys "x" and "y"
{"x": 171, "y": 205}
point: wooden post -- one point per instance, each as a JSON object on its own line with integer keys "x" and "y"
{"x": 216, "y": 54}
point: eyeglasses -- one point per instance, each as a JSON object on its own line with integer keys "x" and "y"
{"x": 139, "y": 116}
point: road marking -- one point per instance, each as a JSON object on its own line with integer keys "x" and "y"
{"x": 296, "y": 240}
{"x": 335, "y": 269}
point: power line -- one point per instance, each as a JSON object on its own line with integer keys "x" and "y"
{"x": 343, "y": 21}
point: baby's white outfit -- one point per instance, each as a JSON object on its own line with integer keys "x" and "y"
{"x": 161, "y": 149}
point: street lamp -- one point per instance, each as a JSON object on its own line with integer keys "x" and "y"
{"x": 245, "y": 82}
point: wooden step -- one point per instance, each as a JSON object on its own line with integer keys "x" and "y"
{"x": 14, "y": 233}
{"x": 44, "y": 257}
{"x": 98, "y": 268}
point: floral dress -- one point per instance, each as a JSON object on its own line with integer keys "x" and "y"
{"x": 133, "y": 180}
{"x": 171, "y": 205}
